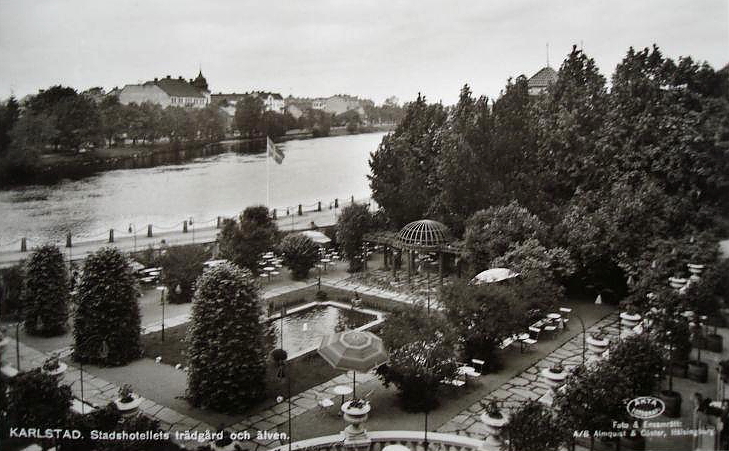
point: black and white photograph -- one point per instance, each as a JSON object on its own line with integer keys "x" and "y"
{"x": 364, "y": 226}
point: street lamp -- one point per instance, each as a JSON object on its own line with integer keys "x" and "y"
{"x": 133, "y": 229}
{"x": 103, "y": 353}
{"x": 162, "y": 290}
{"x": 426, "y": 261}
{"x": 584, "y": 336}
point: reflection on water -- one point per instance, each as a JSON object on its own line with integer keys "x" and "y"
{"x": 305, "y": 329}
{"x": 221, "y": 185}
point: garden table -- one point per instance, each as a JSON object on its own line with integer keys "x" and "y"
{"x": 342, "y": 390}
{"x": 325, "y": 261}
{"x": 269, "y": 270}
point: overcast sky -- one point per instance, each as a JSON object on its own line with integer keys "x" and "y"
{"x": 315, "y": 48}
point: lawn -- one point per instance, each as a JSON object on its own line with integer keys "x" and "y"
{"x": 309, "y": 371}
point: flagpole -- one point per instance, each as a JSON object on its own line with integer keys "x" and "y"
{"x": 268, "y": 175}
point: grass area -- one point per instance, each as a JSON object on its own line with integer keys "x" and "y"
{"x": 307, "y": 372}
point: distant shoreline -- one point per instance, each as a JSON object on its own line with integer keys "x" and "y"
{"x": 54, "y": 168}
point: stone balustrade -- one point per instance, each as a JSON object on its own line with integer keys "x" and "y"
{"x": 377, "y": 440}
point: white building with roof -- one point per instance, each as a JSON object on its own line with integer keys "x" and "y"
{"x": 168, "y": 91}
{"x": 540, "y": 81}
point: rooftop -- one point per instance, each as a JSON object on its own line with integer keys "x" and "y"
{"x": 543, "y": 78}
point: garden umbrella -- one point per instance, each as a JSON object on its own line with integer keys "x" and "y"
{"x": 493, "y": 275}
{"x": 317, "y": 237}
{"x": 353, "y": 350}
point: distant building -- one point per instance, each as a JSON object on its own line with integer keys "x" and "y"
{"x": 272, "y": 101}
{"x": 338, "y": 104}
{"x": 540, "y": 81}
{"x": 168, "y": 91}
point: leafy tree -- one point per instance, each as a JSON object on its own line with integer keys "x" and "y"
{"x": 533, "y": 427}
{"x": 530, "y": 257}
{"x": 421, "y": 349}
{"x": 244, "y": 241}
{"x": 46, "y": 292}
{"x": 226, "y": 341}
{"x": 300, "y": 254}
{"x": 178, "y": 124}
{"x": 353, "y": 223}
{"x": 489, "y": 233}
{"x": 107, "y": 321}
{"x": 482, "y": 316}
{"x": 592, "y": 400}
{"x": 640, "y": 360}
{"x": 569, "y": 122}
{"x": 12, "y": 280}
{"x": 9, "y": 115}
{"x": 249, "y": 115}
{"x": 35, "y": 399}
{"x": 181, "y": 266}
{"x": 211, "y": 123}
{"x": 112, "y": 119}
{"x": 404, "y": 176}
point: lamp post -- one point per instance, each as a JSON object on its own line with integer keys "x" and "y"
{"x": 162, "y": 290}
{"x": 103, "y": 352}
{"x": 192, "y": 224}
{"x": 133, "y": 229}
{"x": 584, "y": 335}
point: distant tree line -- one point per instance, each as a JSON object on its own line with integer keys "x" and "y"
{"x": 61, "y": 120}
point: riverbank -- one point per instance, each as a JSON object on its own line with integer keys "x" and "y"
{"x": 52, "y": 168}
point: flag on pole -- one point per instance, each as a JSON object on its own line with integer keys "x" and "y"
{"x": 273, "y": 151}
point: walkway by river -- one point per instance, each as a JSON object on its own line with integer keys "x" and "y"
{"x": 130, "y": 242}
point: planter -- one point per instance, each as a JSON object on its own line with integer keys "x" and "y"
{"x": 494, "y": 425}
{"x": 552, "y": 379}
{"x": 629, "y": 321}
{"x": 672, "y": 401}
{"x": 356, "y": 417}
{"x": 597, "y": 347}
{"x": 714, "y": 343}
{"x": 677, "y": 282}
{"x": 62, "y": 367}
{"x": 698, "y": 371}
{"x": 128, "y": 408}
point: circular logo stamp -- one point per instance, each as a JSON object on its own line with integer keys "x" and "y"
{"x": 644, "y": 407}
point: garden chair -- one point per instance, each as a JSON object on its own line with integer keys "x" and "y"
{"x": 478, "y": 363}
{"x": 534, "y": 332}
{"x": 551, "y": 330}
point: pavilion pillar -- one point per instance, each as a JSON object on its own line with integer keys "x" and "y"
{"x": 385, "y": 256}
{"x": 410, "y": 265}
{"x": 394, "y": 265}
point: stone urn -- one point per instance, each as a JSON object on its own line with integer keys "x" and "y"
{"x": 695, "y": 269}
{"x": 554, "y": 377}
{"x": 355, "y": 414}
{"x": 128, "y": 402}
{"x": 597, "y": 346}
{"x": 677, "y": 282}
{"x": 493, "y": 422}
{"x": 60, "y": 369}
{"x": 629, "y": 320}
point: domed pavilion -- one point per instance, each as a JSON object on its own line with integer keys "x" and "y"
{"x": 425, "y": 236}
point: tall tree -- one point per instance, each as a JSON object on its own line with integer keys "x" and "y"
{"x": 352, "y": 224}
{"x": 249, "y": 115}
{"x": 226, "y": 341}
{"x": 9, "y": 115}
{"x": 107, "y": 323}
{"x": 47, "y": 292}
{"x": 244, "y": 241}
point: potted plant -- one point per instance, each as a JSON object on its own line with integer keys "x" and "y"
{"x": 53, "y": 365}
{"x": 554, "y": 376}
{"x": 493, "y": 419}
{"x": 355, "y": 413}
{"x": 128, "y": 402}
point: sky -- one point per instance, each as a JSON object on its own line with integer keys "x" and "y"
{"x": 317, "y": 48}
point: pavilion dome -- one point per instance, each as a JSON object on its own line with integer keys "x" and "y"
{"x": 424, "y": 234}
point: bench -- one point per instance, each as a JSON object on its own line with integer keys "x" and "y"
{"x": 454, "y": 382}
{"x": 527, "y": 344}
{"x": 507, "y": 342}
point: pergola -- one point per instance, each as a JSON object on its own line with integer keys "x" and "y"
{"x": 423, "y": 236}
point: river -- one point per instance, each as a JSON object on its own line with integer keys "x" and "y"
{"x": 202, "y": 189}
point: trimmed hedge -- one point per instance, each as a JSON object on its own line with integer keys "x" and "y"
{"x": 227, "y": 351}
{"x": 107, "y": 322}
{"x": 46, "y": 293}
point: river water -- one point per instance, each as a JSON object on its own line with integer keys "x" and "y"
{"x": 313, "y": 170}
